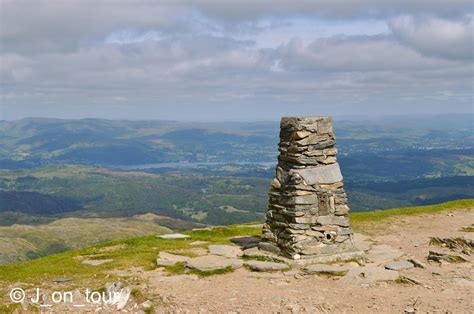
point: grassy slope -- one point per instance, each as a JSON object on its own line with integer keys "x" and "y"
{"x": 377, "y": 215}
{"x": 23, "y": 242}
{"x": 132, "y": 252}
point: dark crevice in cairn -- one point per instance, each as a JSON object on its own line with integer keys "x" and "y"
{"x": 307, "y": 214}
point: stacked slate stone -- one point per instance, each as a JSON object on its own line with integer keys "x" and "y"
{"x": 307, "y": 214}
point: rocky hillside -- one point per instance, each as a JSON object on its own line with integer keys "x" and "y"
{"x": 421, "y": 257}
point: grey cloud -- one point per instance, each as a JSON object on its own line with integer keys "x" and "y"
{"x": 32, "y": 26}
{"x": 201, "y": 74}
{"x": 55, "y": 60}
{"x": 35, "y": 26}
{"x": 354, "y": 53}
{"x": 235, "y": 10}
{"x": 452, "y": 39}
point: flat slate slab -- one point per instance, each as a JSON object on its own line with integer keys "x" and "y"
{"x": 168, "y": 259}
{"x": 266, "y": 266}
{"x": 362, "y": 242}
{"x": 225, "y": 250}
{"x": 334, "y": 270}
{"x": 399, "y": 265}
{"x": 213, "y": 262}
{"x": 246, "y": 242}
{"x": 165, "y": 262}
{"x": 382, "y": 254}
{"x": 173, "y": 257}
{"x": 324, "y": 174}
{"x": 369, "y": 275}
{"x": 174, "y": 236}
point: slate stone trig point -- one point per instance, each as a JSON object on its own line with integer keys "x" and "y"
{"x": 307, "y": 214}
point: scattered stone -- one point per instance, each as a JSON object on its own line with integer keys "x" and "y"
{"x": 246, "y": 242}
{"x": 198, "y": 243}
{"x": 409, "y": 280}
{"x": 121, "y": 295}
{"x": 96, "y": 262}
{"x": 147, "y": 304}
{"x": 369, "y": 275}
{"x": 417, "y": 263}
{"x": 445, "y": 257}
{"x": 399, "y": 265}
{"x": 213, "y": 262}
{"x": 225, "y": 250}
{"x": 409, "y": 310}
{"x": 324, "y": 269}
{"x": 266, "y": 266}
{"x": 174, "y": 236}
{"x": 461, "y": 245}
{"x": 62, "y": 280}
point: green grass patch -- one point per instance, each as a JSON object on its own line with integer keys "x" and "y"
{"x": 468, "y": 229}
{"x": 176, "y": 269}
{"x": 138, "y": 252}
{"x": 332, "y": 274}
{"x": 378, "y": 215}
{"x": 207, "y": 273}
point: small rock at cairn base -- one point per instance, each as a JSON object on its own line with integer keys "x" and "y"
{"x": 307, "y": 212}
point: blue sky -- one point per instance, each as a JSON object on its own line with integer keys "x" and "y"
{"x": 234, "y": 60}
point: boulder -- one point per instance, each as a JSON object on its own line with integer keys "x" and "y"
{"x": 266, "y": 266}
{"x": 213, "y": 262}
{"x": 225, "y": 250}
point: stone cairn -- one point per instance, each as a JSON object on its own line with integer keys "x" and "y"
{"x": 307, "y": 213}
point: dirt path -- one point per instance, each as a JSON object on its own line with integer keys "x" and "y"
{"x": 444, "y": 288}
